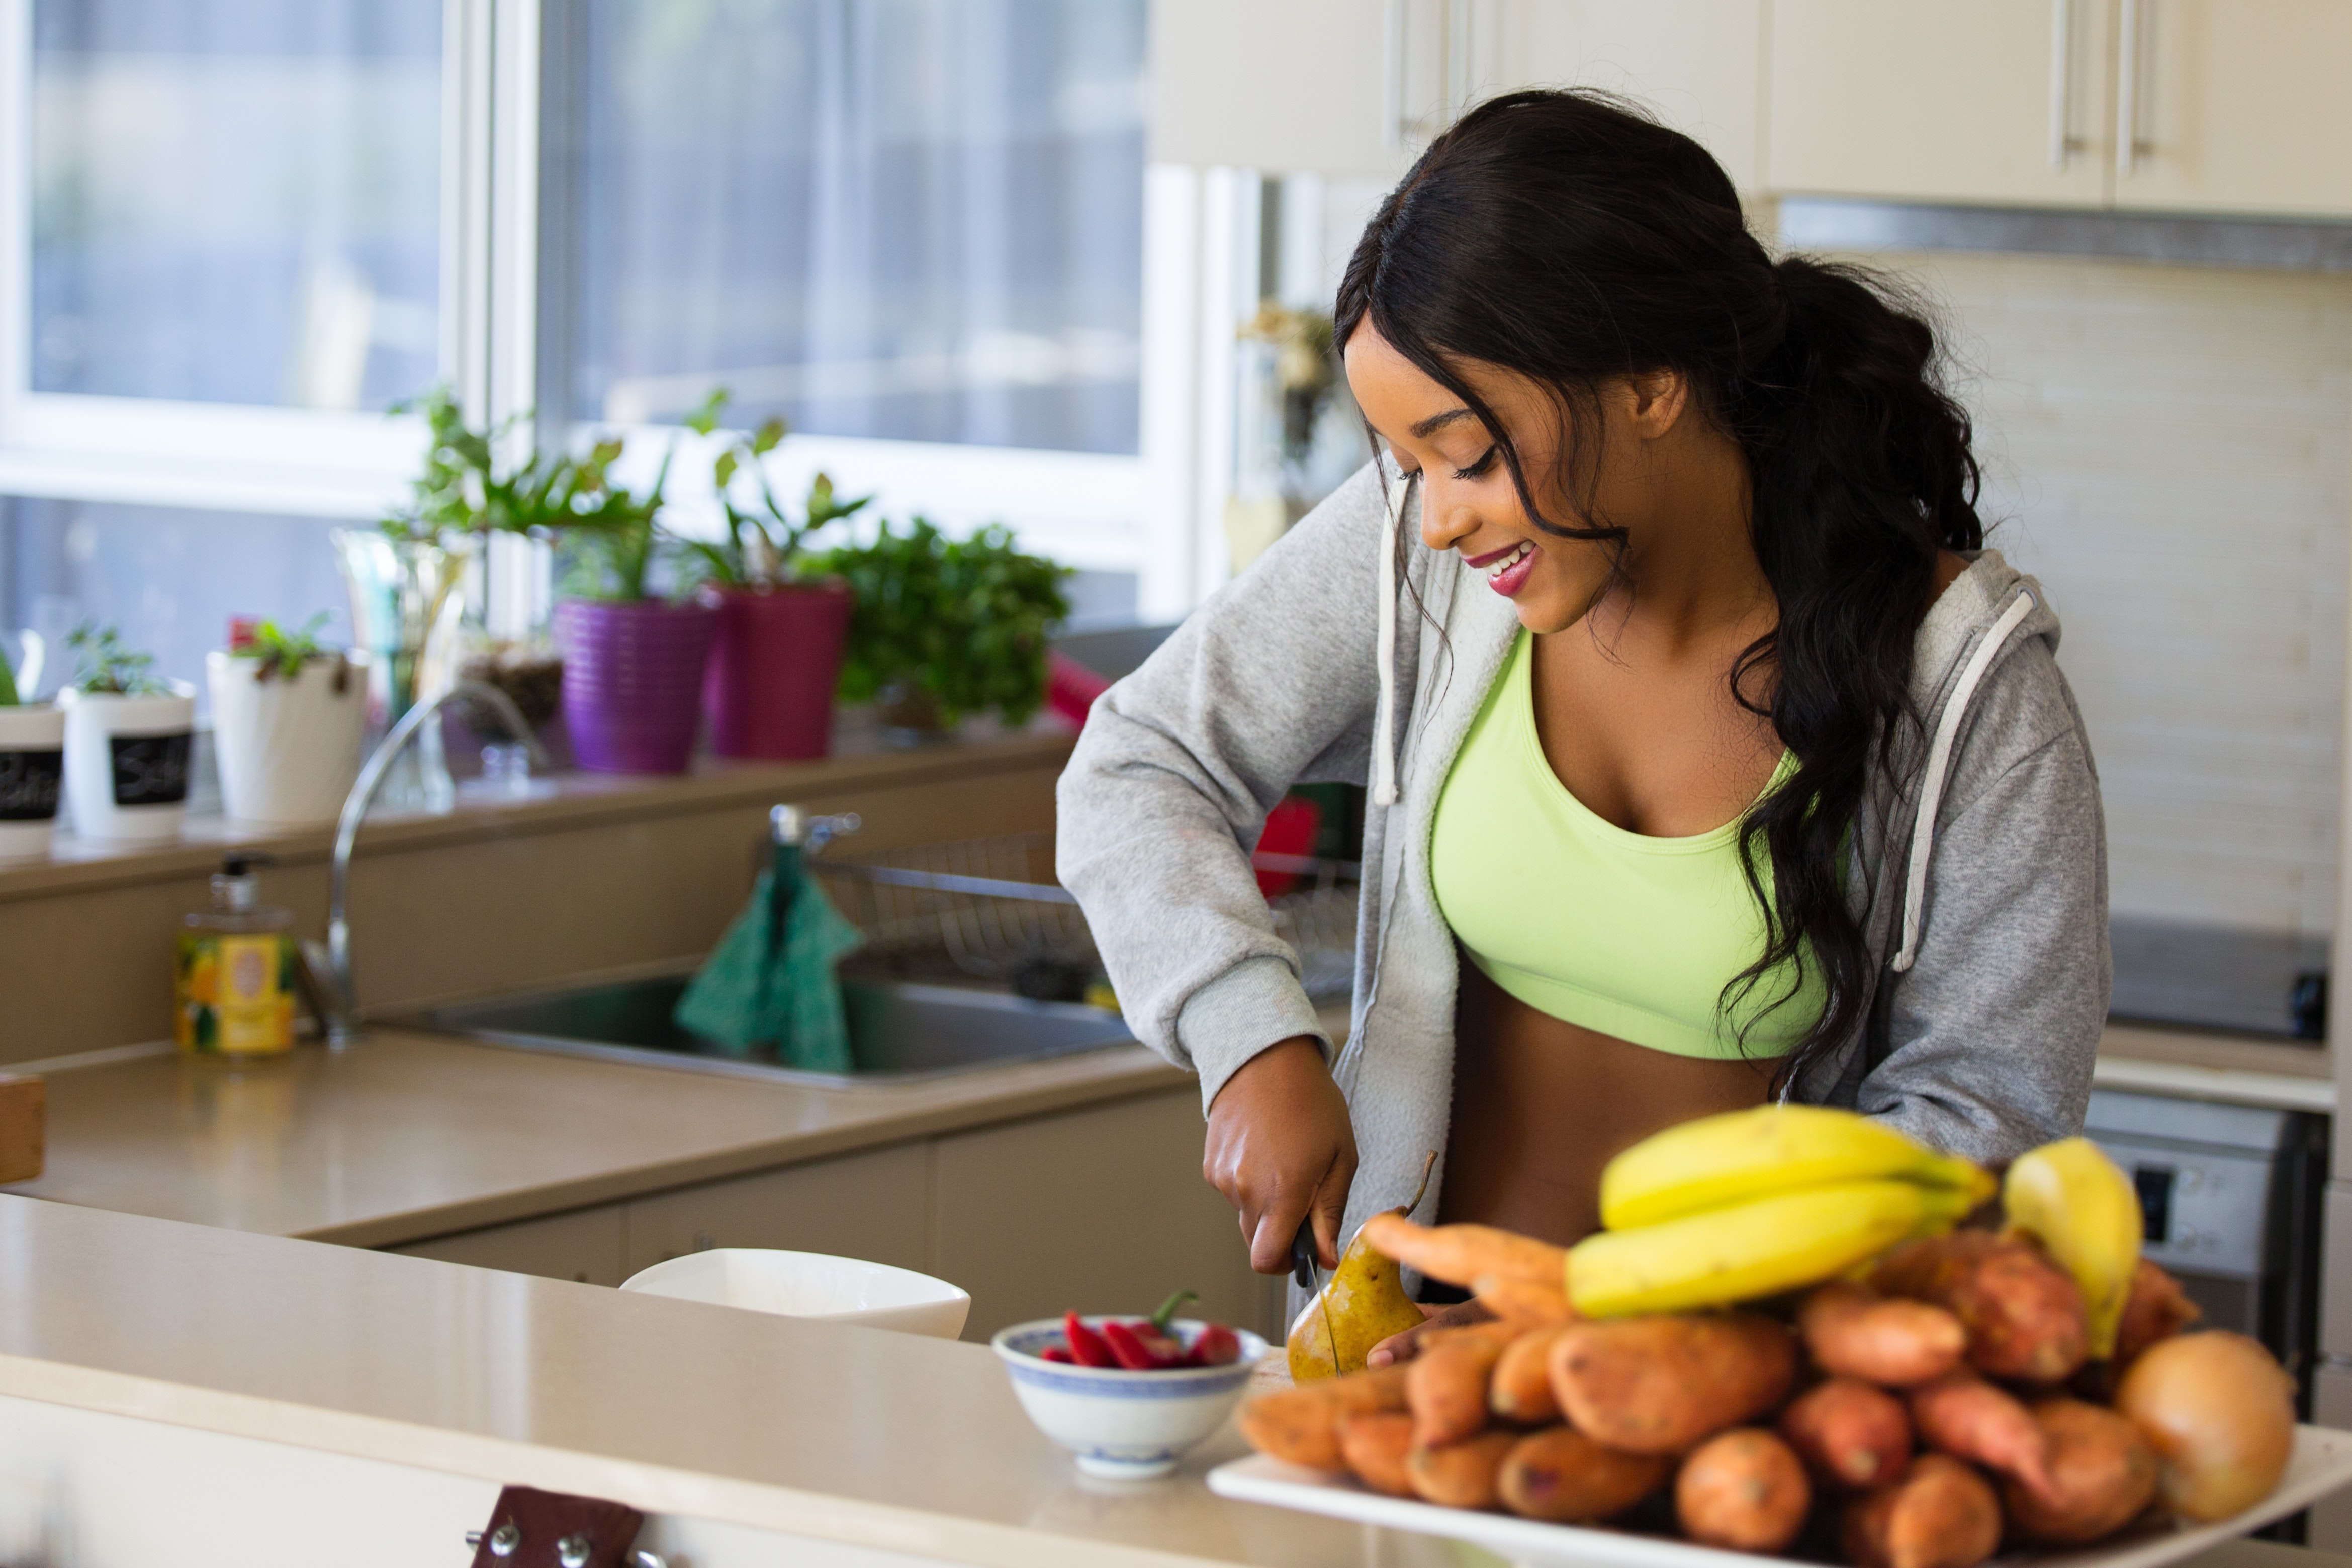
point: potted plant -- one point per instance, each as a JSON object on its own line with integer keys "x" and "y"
{"x": 127, "y": 736}
{"x": 775, "y": 655}
{"x": 287, "y": 717}
{"x": 32, "y": 766}
{"x": 633, "y": 659}
{"x": 943, "y": 627}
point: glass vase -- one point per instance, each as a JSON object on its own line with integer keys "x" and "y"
{"x": 406, "y": 600}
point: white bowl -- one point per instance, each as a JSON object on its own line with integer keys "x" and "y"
{"x": 811, "y": 1285}
{"x": 1128, "y": 1426}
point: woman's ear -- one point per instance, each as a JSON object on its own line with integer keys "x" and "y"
{"x": 1654, "y": 402}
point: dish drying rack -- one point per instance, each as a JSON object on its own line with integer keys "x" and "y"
{"x": 988, "y": 908}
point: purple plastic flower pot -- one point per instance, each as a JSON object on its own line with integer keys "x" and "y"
{"x": 773, "y": 665}
{"x": 632, "y": 681}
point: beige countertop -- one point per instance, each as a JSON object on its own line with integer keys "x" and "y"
{"x": 409, "y": 1135}
{"x": 844, "y": 1434}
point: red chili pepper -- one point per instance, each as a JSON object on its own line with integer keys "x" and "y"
{"x": 1056, "y": 1354}
{"x": 1216, "y": 1346}
{"x": 1139, "y": 1347}
{"x": 1087, "y": 1346}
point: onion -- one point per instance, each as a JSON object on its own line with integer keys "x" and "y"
{"x": 2220, "y": 1413}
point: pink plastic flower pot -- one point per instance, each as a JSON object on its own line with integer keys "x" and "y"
{"x": 773, "y": 665}
{"x": 633, "y": 681}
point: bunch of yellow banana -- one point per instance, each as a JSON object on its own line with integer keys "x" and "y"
{"x": 1751, "y": 1203}
{"x": 2087, "y": 1212}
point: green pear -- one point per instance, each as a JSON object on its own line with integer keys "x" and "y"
{"x": 1362, "y": 1304}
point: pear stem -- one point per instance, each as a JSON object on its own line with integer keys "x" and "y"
{"x": 1428, "y": 1164}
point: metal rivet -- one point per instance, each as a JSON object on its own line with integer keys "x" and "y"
{"x": 505, "y": 1540}
{"x": 573, "y": 1551}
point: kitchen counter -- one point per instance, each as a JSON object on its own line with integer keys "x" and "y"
{"x": 278, "y": 1350}
{"x": 410, "y": 1135}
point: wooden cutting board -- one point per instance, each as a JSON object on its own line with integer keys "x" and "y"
{"x": 23, "y": 1106}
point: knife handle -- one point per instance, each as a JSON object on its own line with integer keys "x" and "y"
{"x": 1302, "y": 1254}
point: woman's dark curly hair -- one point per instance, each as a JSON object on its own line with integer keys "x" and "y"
{"x": 1567, "y": 237}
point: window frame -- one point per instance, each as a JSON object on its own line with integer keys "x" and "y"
{"x": 498, "y": 204}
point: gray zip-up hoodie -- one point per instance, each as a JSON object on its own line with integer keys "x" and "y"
{"x": 1986, "y": 912}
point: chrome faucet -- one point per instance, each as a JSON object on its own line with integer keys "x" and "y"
{"x": 330, "y": 966}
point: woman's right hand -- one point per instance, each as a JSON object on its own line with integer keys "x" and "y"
{"x": 1280, "y": 1148}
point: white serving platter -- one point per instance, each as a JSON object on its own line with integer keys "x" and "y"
{"x": 2321, "y": 1463}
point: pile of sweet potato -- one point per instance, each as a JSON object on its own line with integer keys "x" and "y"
{"x": 1915, "y": 1421}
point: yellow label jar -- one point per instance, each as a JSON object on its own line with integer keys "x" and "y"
{"x": 235, "y": 981}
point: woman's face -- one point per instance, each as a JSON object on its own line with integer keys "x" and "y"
{"x": 1469, "y": 503}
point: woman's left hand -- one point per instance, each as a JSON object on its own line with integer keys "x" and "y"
{"x": 1401, "y": 1348}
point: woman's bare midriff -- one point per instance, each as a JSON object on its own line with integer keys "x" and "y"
{"x": 1541, "y": 1104}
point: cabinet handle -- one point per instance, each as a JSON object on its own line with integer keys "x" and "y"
{"x": 1393, "y": 129}
{"x": 2062, "y": 80}
{"x": 2127, "y": 92}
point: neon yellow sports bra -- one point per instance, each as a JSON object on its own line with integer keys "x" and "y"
{"x": 1623, "y": 934}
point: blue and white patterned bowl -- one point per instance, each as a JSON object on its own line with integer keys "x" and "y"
{"x": 1128, "y": 1426}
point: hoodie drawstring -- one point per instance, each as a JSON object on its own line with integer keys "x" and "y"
{"x": 1939, "y": 759}
{"x": 1384, "y": 785}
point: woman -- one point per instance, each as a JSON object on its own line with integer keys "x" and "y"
{"x": 1713, "y": 759}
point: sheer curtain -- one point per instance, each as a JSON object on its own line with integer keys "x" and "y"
{"x": 918, "y": 219}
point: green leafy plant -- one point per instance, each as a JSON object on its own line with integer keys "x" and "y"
{"x": 962, "y": 624}
{"x": 466, "y": 487}
{"x": 104, "y": 666}
{"x": 9, "y": 697}
{"x": 278, "y": 653}
{"x": 763, "y": 549}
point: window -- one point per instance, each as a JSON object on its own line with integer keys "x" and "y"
{"x": 233, "y": 233}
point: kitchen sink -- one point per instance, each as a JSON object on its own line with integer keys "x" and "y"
{"x": 897, "y": 1029}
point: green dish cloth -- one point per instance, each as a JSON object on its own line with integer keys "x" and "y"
{"x": 756, "y": 991}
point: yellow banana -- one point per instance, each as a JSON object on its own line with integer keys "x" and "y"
{"x": 1742, "y": 1154}
{"x": 1760, "y": 1247}
{"x": 2087, "y": 1214}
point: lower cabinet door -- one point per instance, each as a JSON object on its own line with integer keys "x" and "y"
{"x": 585, "y": 1245}
{"x": 868, "y": 1205}
{"x": 1099, "y": 1210}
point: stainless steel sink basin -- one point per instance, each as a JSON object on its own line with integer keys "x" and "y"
{"x": 897, "y": 1031}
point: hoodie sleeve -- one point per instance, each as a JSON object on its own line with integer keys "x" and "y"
{"x": 1992, "y": 1032}
{"x": 1269, "y": 684}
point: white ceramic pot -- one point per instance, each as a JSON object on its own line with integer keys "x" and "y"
{"x": 287, "y": 748}
{"x": 811, "y": 1285}
{"x": 127, "y": 761}
{"x": 32, "y": 763}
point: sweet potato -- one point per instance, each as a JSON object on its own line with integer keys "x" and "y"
{"x": 1523, "y": 1300}
{"x": 2023, "y": 1312}
{"x": 1941, "y": 1514}
{"x": 1660, "y": 1384}
{"x": 1375, "y": 1443}
{"x": 1560, "y": 1475}
{"x": 1744, "y": 1489}
{"x": 1464, "y": 1254}
{"x": 1969, "y": 1418}
{"x": 1445, "y": 1384}
{"x": 1300, "y": 1426}
{"x": 2156, "y": 1310}
{"x": 1853, "y": 1331}
{"x": 1849, "y": 1432}
{"x": 1520, "y": 1389}
{"x": 2102, "y": 1475}
{"x": 1462, "y": 1475}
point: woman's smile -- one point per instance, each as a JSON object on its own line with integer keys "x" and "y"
{"x": 1507, "y": 570}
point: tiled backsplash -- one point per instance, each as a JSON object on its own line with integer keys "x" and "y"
{"x": 2170, "y": 449}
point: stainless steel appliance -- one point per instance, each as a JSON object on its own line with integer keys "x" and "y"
{"x": 2232, "y": 1196}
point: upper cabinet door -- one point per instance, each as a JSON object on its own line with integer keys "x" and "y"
{"x": 2001, "y": 101}
{"x": 1697, "y": 64}
{"x": 2237, "y": 106}
{"x": 1283, "y": 86}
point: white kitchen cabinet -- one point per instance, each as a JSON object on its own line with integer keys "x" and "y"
{"x": 1294, "y": 86}
{"x": 1101, "y": 1209}
{"x": 1697, "y": 64}
{"x": 1928, "y": 100}
{"x": 2239, "y": 106}
{"x": 587, "y": 1245}
{"x": 872, "y": 1206}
